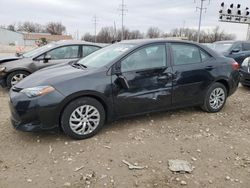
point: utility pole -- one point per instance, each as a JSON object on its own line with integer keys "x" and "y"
{"x": 95, "y": 20}
{"x": 201, "y": 9}
{"x": 123, "y": 10}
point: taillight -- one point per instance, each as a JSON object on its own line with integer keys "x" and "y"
{"x": 235, "y": 65}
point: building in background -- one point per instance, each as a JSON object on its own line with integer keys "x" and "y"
{"x": 8, "y": 37}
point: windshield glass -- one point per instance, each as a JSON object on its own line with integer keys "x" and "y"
{"x": 38, "y": 50}
{"x": 222, "y": 47}
{"x": 105, "y": 55}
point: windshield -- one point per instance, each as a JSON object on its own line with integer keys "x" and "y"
{"x": 105, "y": 55}
{"x": 222, "y": 47}
{"x": 38, "y": 50}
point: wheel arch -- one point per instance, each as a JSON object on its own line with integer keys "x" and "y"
{"x": 225, "y": 83}
{"x": 78, "y": 95}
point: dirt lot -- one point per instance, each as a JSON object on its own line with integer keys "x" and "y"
{"x": 217, "y": 145}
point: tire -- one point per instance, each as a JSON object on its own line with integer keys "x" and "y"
{"x": 218, "y": 104}
{"x": 17, "y": 74}
{"x": 246, "y": 86}
{"x": 74, "y": 118}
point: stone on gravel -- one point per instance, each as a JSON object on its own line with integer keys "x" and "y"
{"x": 180, "y": 166}
{"x": 183, "y": 182}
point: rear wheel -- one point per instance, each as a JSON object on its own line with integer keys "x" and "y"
{"x": 246, "y": 86}
{"x": 215, "y": 98}
{"x": 15, "y": 77}
{"x": 83, "y": 118}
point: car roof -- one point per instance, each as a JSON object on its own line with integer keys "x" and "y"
{"x": 141, "y": 42}
{"x": 149, "y": 41}
{"x": 231, "y": 41}
{"x": 78, "y": 42}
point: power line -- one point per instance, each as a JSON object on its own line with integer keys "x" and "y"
{"x": 201, "y": 9}
{"x": 123, "y": 9}
{"x": 95, "y": 22}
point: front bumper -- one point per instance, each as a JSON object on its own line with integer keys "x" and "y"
{"x": 2, "y": 80}
{"x": 245, "y": 77}
{"x": 35, "y": 114}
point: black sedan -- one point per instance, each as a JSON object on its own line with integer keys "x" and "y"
{"x": 245, "y": 72}
{"x": 14, "y": 69}
{"x": 124, "y": 79}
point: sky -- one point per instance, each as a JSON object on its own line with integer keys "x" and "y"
{"x": 77, "y": 15}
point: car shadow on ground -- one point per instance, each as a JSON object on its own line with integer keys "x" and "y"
{"x": 116, "y": 126}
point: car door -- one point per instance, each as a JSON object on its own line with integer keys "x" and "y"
{"x": 246, "y": 49}
{"x": 149, "y": 79}
{"x": 58, "y": 55}
{"x": 238, "y": 53}
{"x": 192, "y": 69}
{"x": 88, "y": 49}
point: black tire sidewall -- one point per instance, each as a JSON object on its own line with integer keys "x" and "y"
{"x": 11, "y": 75}
{"x": 206, "y": 105}
{"x": 75, "y": 104}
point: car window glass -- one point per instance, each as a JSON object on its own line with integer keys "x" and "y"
{"x": 246, "y": 46}
{"x": 66, "y": 52}
{"x": 145, "y": 58}
{"x": 204, "y": 55}
{"x": 86, "y": 50}
{"x": 185, "y": 54}
{"x": 238, "y": 47}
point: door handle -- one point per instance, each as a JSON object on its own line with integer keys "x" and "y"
{"x": 162, "y": 77}
{"x": 209, "y": 67}
{"x": 165, "y": 76}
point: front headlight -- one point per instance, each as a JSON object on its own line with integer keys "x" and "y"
{"x": 2, "y": 69}
{"x": 246, "y": 62}
{"x": 37, "y": 91}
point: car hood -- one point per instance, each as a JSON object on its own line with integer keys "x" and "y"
{"x": 53, "y": 76}
{"x": 19, "y": 63}
{"x": 8, "y": 59}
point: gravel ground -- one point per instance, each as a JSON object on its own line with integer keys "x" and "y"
{"x": 217, "y": 145}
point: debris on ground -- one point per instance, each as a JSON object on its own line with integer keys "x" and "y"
{"x": 180, "y": 166}
{"x": 133, "y": 167}
{"x": 79, "y": 168}
{"x": 50, "y": 149}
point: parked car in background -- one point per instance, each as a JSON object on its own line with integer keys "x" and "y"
{"x": 238, "y": 50}
{"x": 245, "y": 72}
{"x": 11, "y": 72}
{"x": 124, "y": 79}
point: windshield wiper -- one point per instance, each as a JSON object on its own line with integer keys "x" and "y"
{"x": 76, "y": 64}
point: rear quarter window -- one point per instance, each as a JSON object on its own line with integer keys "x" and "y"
{"x": 246, "y": 46}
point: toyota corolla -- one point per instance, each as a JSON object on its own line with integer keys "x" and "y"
{"x": 125, "y": 79}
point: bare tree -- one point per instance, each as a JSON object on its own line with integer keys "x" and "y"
{"x": 11, "y": 27}
{"x": 30, "y": 27}
{"x": 55, "y": 28}
{"x": 153, "y": 32}
{"x": 88, "y": 37}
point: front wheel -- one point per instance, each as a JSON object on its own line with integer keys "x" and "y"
{"x": 83, "y": 118}
{"x": 15, "y": 77}
{"x": 215, "y": 98}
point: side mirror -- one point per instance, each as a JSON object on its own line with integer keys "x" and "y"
{"x": 19, "y": 54}
{"x": 122, "y": 81}
{"x": 47, "y": 58}
{"x": 236, "y": 50}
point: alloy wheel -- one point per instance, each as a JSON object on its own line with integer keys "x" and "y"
{"x": 84, "y": 119}
{"x": 17, "y": 78}
{"x": 217, "y": 98}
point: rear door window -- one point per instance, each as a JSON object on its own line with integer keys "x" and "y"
{"x": 184, "y": 54}
{"x": 246, "y": 46}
